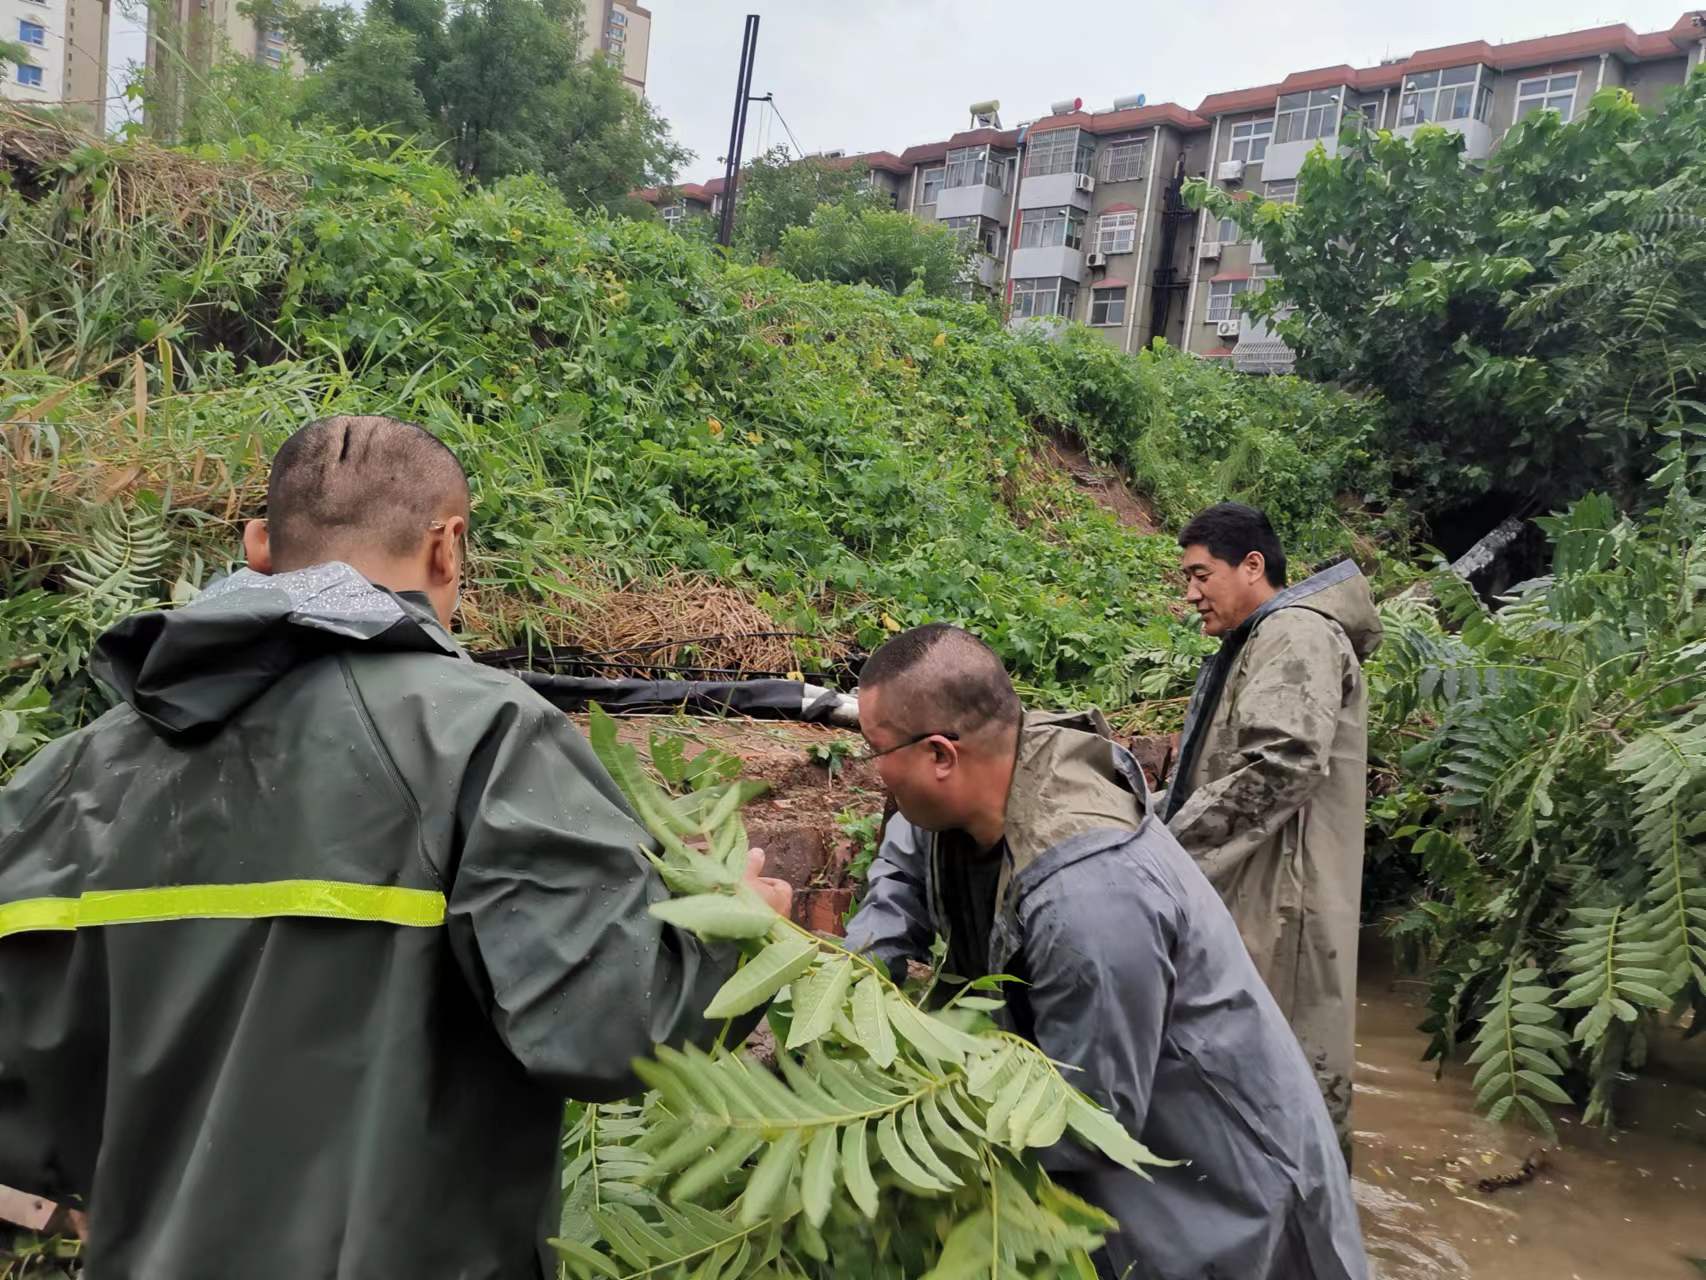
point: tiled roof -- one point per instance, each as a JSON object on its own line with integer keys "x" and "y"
{"x": 927, "y": 152}
{"x": 1119, "y": 121}
{"x": 1120, "y": 208}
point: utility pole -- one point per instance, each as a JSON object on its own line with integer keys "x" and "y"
{"x": 737, "y": 130}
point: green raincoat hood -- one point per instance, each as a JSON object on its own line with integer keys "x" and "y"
{"x": 188, "y": 671}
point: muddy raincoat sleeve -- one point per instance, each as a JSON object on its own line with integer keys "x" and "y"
{"x": 1283, "y": 715}
{"x": 548, "y": 913}
{"x": 893, "y": 921}
{"x": 1098, "y": 960}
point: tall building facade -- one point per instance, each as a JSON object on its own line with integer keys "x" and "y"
{"x": 1078, "y": 215}
{"x": 65, "y": 46}
{"x": 623, "y": 33}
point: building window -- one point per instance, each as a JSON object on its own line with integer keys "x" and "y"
{"x": 1547, "y": 93}
{"x": 1058, "y": 151}
{"x": 977, "y": 233}
{"x": 1116, "y": 232}
{"x": 31, "y": 32}
{"x": 933, "y": 179}
{"x": 1123, "y": 162}
{"x": 1223, "y": 296}
{"x": 1043, "y": 296}
{"x": 1441, "y": 95}
{"x": 974, "y": 166}
{"x": 1107, "y": 306}
{"x": 1301, "y": 116}
{"x": 1260, "y": 274}
{"x": 617, "y": 34}
{"x": 1281, "y": 192}
{"x": 673, "y": 214}
{"x": 1049, "y": 228}
{"x": 618, "y": 18}
{"x": 29, "y": 75}
{"x": 1227, "y": 231}
{"x": 1250, "y": 140}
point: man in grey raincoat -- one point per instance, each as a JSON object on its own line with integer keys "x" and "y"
{"x": 1270, "y": 789}
{"x": 1025, "y": 840}
{"x": 303, "y": 945}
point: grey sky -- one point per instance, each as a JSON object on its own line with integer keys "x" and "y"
{"x": 869, "y": 75}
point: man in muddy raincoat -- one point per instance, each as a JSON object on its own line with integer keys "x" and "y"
{"x": 1270, "y": 788}
{"x": 304, "y": 943}
{"x": 1025, "y": 840}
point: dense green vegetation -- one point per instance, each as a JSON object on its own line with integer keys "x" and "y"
{"x": 1532, "y": 321}
{"x": 626, "y": 402}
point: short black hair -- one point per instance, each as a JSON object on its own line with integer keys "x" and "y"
{"x": 1231, "y": 531}
{"x": 350, "y": 483}
{"x": 957, "y": 682}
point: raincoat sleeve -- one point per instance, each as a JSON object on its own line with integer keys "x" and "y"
{"x": 893, "y": 921}
{"x": 1283, "y": 716}
{"x": 1098, "y": 958}
{"x": 548, "y": 913}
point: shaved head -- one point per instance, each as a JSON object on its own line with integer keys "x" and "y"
{"x": 941, "y": 679}
{"x": 348, "y": 487}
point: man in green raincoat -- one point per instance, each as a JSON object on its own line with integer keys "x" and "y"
{"x": 304, "y": 943}
{"x": 1271, "y": 785}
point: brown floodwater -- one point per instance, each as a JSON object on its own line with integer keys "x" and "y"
{"x": 1622, "y": 1206}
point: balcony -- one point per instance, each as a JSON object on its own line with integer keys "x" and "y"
{"x": 1259, "y": 350}
{"x": 1477, "y": 135}
{"x": 1285, "y": 159}
{"x": 976, "y": 200}
{"x": 1052, "y": 260}
{"x": 985, "y": 270}
{"x": 1052, "y": 189}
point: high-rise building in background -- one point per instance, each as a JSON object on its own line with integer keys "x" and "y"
{"x": 623, "y": 33}
{"x": 65, "y": 44}
{"x": 185, "y": 39}
{"x": 1078, "y": 215}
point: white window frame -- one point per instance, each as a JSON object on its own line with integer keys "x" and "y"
{"x": 1064, "y": 151}
{"x": 673, "y": 214}
{"x": 1061, "y": 295}
{"x": 1529, "y": 99}
{"x": 38, "y": 83}
{"x": 1223, "y": 296}
{"x": 1250, "y": 140}
{"x": 618, "y": 18}
{"x": 1105, "y": 297}
{"x": 1315, "y": 116}
{"x": 1131, "y": 153}
{"x": 1227, "y": 231}
{"x": 941, "y": 175}
{"x": 1287, "y": 193}
{"x": 974, "y": 167}
{"x": 976, "y": 232}
{"x": 1430, "y": 98}
{"x": 1116, "y": 232}
{"x": 1037, "y": 227}
{"x": 618, "y": 34}
{"x": 41, "y": 33}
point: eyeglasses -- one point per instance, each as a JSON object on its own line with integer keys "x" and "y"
{"x": 869, "y": 754}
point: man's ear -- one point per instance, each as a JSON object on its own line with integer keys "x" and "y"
{"x": 257, "y": 546}
{"x": 447, "y": 548}
{"x": 944, "y": 755}
{"x": 1256, "y": 565}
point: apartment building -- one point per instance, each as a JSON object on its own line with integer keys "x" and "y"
{"x": 1078, "y": 215}
{"x": 185, "y": 39}
{"x": 1258, "y": 137}
{"x": 623, "y": 33}
{"x": 65, "y": 64}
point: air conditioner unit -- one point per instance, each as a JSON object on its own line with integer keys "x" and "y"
{"x": 1227, "y": 328}
{"x": 1086, "y": 182}
{"x": 1096, "y": 259}
{"x": 1231, "y": 171}
{"x": 1208, "y": 249}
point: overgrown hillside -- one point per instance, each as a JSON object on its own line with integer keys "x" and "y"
{"x": 635, "y": 414}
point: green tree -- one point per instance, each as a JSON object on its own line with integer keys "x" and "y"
{"x": 880, "y": 247}
{"x": 777, "y": 193}
{"x": 1404, "y": 269}
{"x": 597, "y": 141}
{"x": 372, "y": 80}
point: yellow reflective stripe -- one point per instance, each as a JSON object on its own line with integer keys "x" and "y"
{"x": 33, "y": 914}
{"x": 325, "y": 899}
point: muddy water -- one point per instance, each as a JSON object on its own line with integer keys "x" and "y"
{"x": 1603, "y": 1207}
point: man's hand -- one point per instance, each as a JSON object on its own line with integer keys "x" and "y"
{"x": 778, "y": 893}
